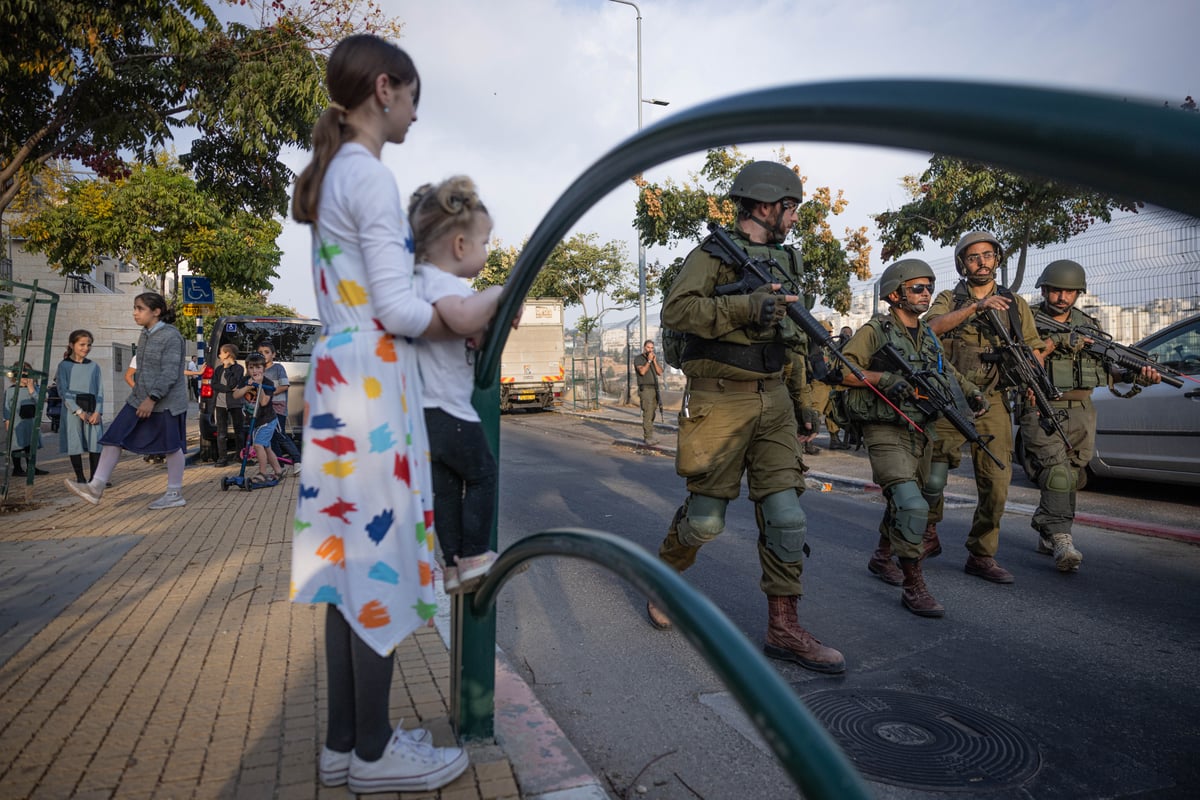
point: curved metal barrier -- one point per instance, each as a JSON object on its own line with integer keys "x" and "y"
{"x": 1133, "y": 149}
{"x": 815, "y": 763}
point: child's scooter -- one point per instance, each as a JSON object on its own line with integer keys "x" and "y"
{"x": 240, "y": 480}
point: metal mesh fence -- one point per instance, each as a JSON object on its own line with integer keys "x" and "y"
{"x": 1143, "y": 273}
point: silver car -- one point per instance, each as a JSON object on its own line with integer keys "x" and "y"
{"x": 1154, "y": 436}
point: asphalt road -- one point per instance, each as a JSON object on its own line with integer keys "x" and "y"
{"x": 1059, "y": 686}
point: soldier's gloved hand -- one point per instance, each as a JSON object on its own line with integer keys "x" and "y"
{"x": 978, "y": 403}
{"x": 1076, "y": 341}
{"x": 768, "y": 309}
{"x": 894, "y": 387}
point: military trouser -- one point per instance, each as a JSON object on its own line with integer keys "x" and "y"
{"x": 820, "y": 402}
{"x": 827, "y": 410}
{"x": 991, "y": 481}
{"x": 1055, "y": 470}
{"x": 725, "y": 434}
{"x": 648, "y": 397}
{"x": 898, "y": 456}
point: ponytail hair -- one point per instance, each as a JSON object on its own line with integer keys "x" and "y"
{"x": 350, "y": 76}
{"x": 436, "y": 211}
{"x": 154, "y": 300}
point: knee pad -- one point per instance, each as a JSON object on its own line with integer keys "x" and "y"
{"x": 1059, "y": 478}
{"x": 784, "y": 525}
{"x": 935, "y": 484}
{"x": 910, "y": 511}
{"x": 704, "y": 520}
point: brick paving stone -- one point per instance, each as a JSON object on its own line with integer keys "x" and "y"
{"x": 179, "y": 668}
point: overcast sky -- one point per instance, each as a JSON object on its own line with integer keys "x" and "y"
{"x": 524, "y": 95}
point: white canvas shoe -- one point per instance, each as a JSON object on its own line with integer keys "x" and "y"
{"x": 407, "y": 766}
{"x": 85, "y": 491}
{"x": 168, "y": 500}
{"x": 334, "y": 767}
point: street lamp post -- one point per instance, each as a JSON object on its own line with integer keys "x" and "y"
{"x": 654, "y": 102}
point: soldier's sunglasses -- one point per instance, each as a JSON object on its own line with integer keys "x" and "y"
{"x": 920, "y": 288}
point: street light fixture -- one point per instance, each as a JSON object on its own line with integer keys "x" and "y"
{"x": 654, "y": 101}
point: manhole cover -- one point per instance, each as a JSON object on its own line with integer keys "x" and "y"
{"x": 924, "y": 742}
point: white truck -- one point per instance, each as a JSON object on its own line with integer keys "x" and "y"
{"x": 531, "y": 366}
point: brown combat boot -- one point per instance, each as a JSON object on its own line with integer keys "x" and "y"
{"x": 986, "y": 567}
{"x": 915, "y": 597}
{"x": 1066, "y": 557}
{"x": 930, "y": 544}
{"x": 787, "y": 641}
{"x": 881, "y": 563}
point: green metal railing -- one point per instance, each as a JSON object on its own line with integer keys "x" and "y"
{"x": 27, "y": 298}
{"x": 1137, "y": 150}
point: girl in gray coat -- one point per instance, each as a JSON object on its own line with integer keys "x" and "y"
{"x": 153, "y": 420}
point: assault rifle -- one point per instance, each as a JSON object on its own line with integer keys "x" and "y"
{"x": 1101, "y": 345}
{"x": 1018, "y": 362}
{"x": 933, "y": 400}
{"x": 759, "y": 272}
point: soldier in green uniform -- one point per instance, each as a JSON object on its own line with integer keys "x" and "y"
{"x": 738, "y": 415}
{"x": 970, "y": 343}
{"x": 901, "y": 455}
{"x": 1075, "y": 372}
{"x": 648, "y": 372}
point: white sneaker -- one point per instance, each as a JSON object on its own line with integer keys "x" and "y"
{"x": 84, "y": 490}
{"x": 407, "y": 766}
{"x": 334, "y": 767}
{"x": 168, "y": 500}
{"x": 471, "y": 567}
{"x": 295, "y": 470}
{"x": 450, "y": 580}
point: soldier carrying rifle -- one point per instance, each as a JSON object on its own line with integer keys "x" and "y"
{"x": 1075, "y": 370}
{"x": 901, "y": 357}
{"x": 964, "y": 318}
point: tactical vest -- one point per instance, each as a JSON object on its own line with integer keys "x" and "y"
{"x": 741, "y": 348}
{"x": 973, "y": 346}
{"x": 864, "y": 406}
{"x": 1069, "y": 370}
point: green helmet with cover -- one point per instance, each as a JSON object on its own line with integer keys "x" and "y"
{"x": 903, "y": 271}
{"x": 974, "y": 237}
{"x": 767, "y": 182}
{"x": 1063, "y": 274}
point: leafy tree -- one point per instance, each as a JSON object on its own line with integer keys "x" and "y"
{"x": 953, "y": 197}
{"x": 580, "y": 271}
{"x": 87, "y": 81}
{"x": 157, "y": 218}
{"x": 670, "y": 213}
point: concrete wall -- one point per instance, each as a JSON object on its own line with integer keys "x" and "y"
{"x": 107, "y": 313}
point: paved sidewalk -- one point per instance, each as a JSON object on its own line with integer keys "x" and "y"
{"x": 155, "y": 654}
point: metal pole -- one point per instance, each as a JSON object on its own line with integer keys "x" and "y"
{"x": 641, "y": 247}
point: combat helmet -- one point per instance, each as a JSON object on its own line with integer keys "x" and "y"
{"x": 767, "y": 182}
{"x": 1063, "y": 274}
{"x": 903, "y": 271}
{"x": 974, "y": 237}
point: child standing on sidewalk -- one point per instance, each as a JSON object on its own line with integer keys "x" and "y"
{"x": 255, "y": 392}
{"x": 225, "y": 378}
{"x": 362, "y": 542}
{"x": 82, "y": 390}
{"x": 451, "y": 229}
{"x": 153, "y": 421}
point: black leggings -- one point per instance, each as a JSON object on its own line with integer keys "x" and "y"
{"x": 360, "y": 685}
{"x": 464, "y": 484}
{"x": 77, "y": 465}
{"x": 222, "y": 418}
